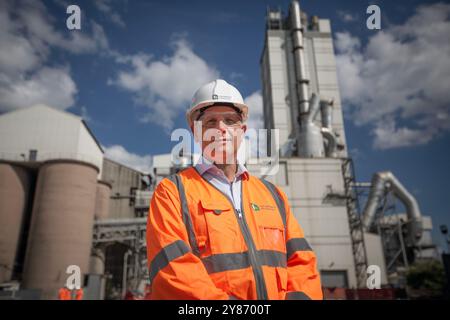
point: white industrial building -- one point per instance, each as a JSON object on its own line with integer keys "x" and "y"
{"x": 62, "y": 203}
{"x": 43, "y": 133}
{"x": 301, "y": 99}
{"x": 307, "y": 180}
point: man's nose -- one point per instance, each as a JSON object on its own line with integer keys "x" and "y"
{"x": 222, "y": 126}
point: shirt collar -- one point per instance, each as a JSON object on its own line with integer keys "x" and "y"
{"x": 204, "y": 165}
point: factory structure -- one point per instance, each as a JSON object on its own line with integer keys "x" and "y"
{"x": 301, "y": 99}
{"x": 62, "y": 203}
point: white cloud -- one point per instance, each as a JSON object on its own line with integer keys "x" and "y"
{"x": 121, "y": 155}
{"x": 346, "y": 16}
{"x": 389, "y": 136}
{"x": 50, "y": 86}
{"x": 39, "y": 26}
{"x": 398, "y": 83}
{"x": 256, "y": 122}
{"x": 27, "y": 38}
{"x": 165, "y": 86}
{"x": 345, "y": 43}
{"x": 106, "y": 7}
{"x": 255, "y": 107}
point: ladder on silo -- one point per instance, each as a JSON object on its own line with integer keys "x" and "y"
{"x": 355, "y": 223}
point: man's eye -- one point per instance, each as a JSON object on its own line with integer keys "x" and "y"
{"x": 231, "y": 121}
{"x": 210, "y": 123}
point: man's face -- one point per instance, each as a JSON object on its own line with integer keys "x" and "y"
{"x": 222, "y": 132}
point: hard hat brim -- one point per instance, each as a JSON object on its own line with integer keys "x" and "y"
{"x": 191, "y": 112}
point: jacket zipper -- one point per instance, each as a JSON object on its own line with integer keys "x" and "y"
{"x": 261, "y": 289}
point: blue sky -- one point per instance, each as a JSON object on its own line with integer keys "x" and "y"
{"x": 131, "y": 71}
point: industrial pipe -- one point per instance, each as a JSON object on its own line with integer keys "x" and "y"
{"x": 326, "y": 112}
{"x": 299, "y": 59}
{"x": 314, "y": 105}
{"x": 386, "y": 181}
{"x": 327, "y": 129}
{"x": 328, "y": 135}
{"x": 124, "y": 274}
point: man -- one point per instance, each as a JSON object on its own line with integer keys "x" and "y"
{"x": 216, "y": 232}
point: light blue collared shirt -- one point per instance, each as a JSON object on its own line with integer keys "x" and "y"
{"x": 218, "y": 179}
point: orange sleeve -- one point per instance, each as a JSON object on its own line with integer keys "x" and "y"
{"x": 175, "y": 272}
{"x": 303, "y": 276}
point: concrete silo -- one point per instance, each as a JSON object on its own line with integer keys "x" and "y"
{"x": 61, "y": 226}
{"x": 14, "y": 192}
{"x": 102, "y": 200}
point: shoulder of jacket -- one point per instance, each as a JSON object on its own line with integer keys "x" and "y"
{"x": 172, "y": 179}
{"x": 274, "y": 186}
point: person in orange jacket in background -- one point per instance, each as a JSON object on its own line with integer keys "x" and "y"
{"x": 66, "y": 294}
{"x": 216, "y": 232}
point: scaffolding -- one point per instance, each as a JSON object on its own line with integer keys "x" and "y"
{"x": 131, "y": 233}
{"x": 354, "y": 220}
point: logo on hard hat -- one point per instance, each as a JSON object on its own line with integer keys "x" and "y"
{"x": 216, "y": 97}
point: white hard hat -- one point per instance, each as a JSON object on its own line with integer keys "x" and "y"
{"x": 216, "y": 92}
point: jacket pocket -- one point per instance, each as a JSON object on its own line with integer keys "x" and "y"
{"x": 222, "y": 228}
{"x": 272, "y": 235}
{"x": 282, "y": 279}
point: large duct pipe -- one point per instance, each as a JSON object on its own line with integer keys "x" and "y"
{"x": 386, "y": 181}
{"x": 328, "y": 135}
{"x": 314, "y": 105}
{"x": 326, "y": 112}
{"x": 327, "y": 130}
{"x": 299, "y": 59}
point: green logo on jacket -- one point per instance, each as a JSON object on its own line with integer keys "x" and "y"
{"x": 255, "y": 207}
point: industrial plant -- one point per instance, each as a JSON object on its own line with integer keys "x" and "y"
{"x": 63, "y": 203}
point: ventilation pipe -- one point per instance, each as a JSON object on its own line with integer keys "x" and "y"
{"x": 310, "y": 141}
{"x": 297, "y": 41}
{"x": 310, "y": 138}
{"x": 327, "y": 129}
{"x": 386, "y": 181}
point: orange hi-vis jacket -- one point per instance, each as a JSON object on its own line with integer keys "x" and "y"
{"x": 200, "y": 247}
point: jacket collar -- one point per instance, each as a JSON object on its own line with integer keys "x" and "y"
{"x": 205, "y": 165}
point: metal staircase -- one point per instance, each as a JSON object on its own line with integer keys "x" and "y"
{"x": 354, "y": 220}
